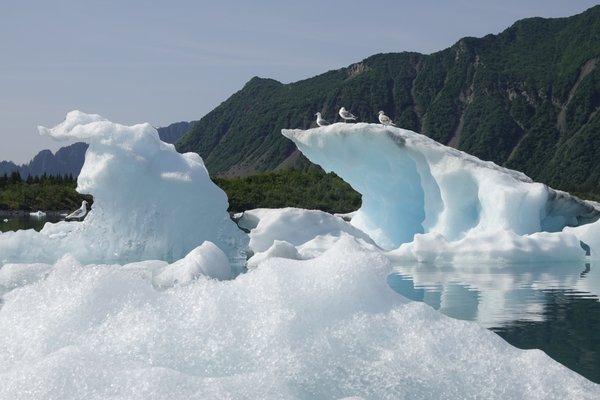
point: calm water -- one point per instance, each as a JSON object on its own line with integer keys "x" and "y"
{"x": 26, "y": 222}
{"x": 552, "y": 307}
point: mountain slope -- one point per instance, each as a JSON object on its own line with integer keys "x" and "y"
{"x": 68, "y": 160}
{"x": 526, "y": 98}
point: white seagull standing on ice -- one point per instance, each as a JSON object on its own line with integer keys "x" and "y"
{"x": 385, "y": 120}
{"x": 346, "y": 115}
{"x": 320, "y": 120}
{"x": 78, "y": 214}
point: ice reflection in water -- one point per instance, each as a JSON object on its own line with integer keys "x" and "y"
{"x": 552, "y": 307}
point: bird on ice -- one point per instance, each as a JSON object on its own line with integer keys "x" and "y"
{"x": 385, "y": 120}
{"x": 346, "y": 115}
{"x": 78, "y": 214}
{"x": 320, "y": 120}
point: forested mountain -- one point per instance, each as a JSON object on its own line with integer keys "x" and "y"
{"x": 527, "y": 98}
{"x": 68, "y": 160}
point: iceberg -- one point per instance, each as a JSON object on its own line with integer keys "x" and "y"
{"x": 150, "y": 202}
{"x": 324, "y": 328}
{"x": 144, "y": 299}
{"x": 294, "y": 233}
{"x": 430, "y": 202}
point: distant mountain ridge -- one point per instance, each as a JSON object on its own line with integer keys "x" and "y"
{"x": 527, "y": 99}
{"x": 68, "y": 160}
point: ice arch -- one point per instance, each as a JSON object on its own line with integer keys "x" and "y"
{"x": 413, "y": 185}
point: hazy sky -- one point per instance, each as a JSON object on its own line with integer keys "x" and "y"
{"x": 167, "y": 61}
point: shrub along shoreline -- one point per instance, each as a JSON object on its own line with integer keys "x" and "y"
{"x": 312, "y": 189}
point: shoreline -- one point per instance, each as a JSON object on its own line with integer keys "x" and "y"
{"x": 21, "y": 213}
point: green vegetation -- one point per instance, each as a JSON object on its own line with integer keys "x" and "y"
{"x": 527, "y": 98}
{"x": 313, "y": 189}
{"x": 47, "y": 193}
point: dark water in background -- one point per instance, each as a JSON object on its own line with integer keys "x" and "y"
{"x": 552, "y": 307}
{"x": 26, "y": 221}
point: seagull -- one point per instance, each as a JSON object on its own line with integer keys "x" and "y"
{"x": 320, "y": 120}
{"x": 346, "y": 115}
{"x": 78, "y": 214}
{"x": 385, "y": 120}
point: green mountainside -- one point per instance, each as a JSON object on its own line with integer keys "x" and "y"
{"x": 527, "y": 98}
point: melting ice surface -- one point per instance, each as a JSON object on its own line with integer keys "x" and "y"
{"x": 313, "y": 318}
{"x": 429, "y": 202}
{"x": 150, "y": 202}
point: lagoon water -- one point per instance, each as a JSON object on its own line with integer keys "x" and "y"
{"x": 25, "y": 221}
{"x": 552, "y": 307}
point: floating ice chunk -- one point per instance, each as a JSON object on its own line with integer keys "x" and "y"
{"x": 324, "y": 328}
{"x": 491, "y": 246}
{"x": 150, "y": 202}
{"x": 38, "y": 214}
{"x": 588, "y": 234}
{"x": 293, "y": 225}
{"x": 280, "y": 249}
{"x": 205, "y": 260}
{"x": 412, "y": 185}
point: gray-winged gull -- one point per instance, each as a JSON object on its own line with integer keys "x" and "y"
{"x": 346, "y": 115}
{"x": 385, "y": 120}
{"x": 320, "y": 120}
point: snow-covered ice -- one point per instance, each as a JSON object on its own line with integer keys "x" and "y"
{"x": 294, "y": 233}
{"x": 432, "y": 202}
{"x": 150, "y": 202}
{"x": 329, "y": 327}
{"x": 293, "y": 225}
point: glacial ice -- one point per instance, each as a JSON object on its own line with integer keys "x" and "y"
{"x": 429, "y": 202}
{"x": 205, "y": 260}
{"x": 327, "y": 328}
{"x": 136, "y": 301}
{"x": 294, "y": 233}
{"x": 150, "y": 202}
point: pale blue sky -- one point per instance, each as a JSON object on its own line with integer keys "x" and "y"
{"x": 166, "y": 61}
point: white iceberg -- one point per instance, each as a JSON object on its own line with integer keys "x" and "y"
{"x": 38, "y": 214}
{"x": 315, "y": 318}
{"x": 432, "y": 202}
{"x": 150, "y": 202}
{"x": 325, "y": 328}
{"x": 293, "y": 225}
{"x": 206, "y": 260}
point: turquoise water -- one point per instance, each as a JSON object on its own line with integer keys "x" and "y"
{"x": 552, "y": 307}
